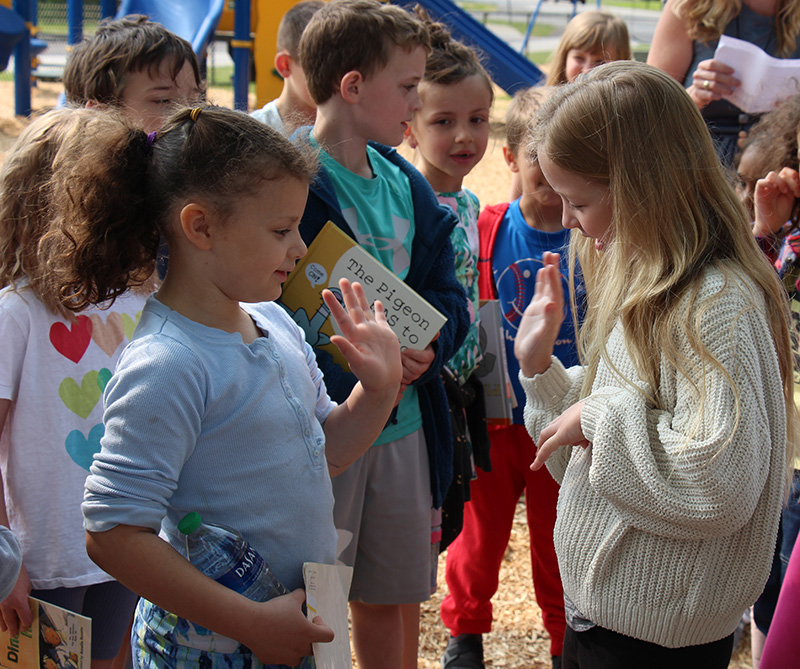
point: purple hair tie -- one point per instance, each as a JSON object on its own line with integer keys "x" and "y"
{"x": 151, "y": 139}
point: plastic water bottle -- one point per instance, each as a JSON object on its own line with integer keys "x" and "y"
{"x": 224, "y": 555}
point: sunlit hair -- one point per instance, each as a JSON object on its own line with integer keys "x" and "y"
{"x": 116, "y": 193}
{"x": 293, "y": 23}
{"x": 596, "y": 32}
{"x": 25, "y": 198}
{"x": 634, "y": 129}
{"x": 354, "y": 35}
{"x": 775, "y": 138}
{"x": 449, "y": 61}
{"x": 706, "y": 20}
{"x": 520, "y": 113}
{"x": 99, "y": 67}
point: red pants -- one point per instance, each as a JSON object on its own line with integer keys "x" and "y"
{"x": 474, "y": 558}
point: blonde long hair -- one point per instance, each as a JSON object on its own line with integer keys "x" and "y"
{"x": 633, "y": 128}
{"x": 706, "y": 20}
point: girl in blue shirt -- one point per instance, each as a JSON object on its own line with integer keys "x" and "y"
{"x": 217, "y": 405}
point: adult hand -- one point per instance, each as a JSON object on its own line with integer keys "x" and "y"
{"x": 15, "y": 610}
{"x": 367, "y": 342}
{"x": 565, "y": 430}
{"x": 541, "y": 320}
{"x": 416, "y": 363}
{"x": 712, "y": 80}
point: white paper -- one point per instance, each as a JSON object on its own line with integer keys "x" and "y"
{"x": 765, "y": 80}
{"x": 327, "y": 589}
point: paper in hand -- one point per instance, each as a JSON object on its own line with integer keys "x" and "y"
{"x": 765, "y": 80}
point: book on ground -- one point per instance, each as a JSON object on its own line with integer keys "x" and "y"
{"x": 57, "y": 639}
{"x": 334, "y": 255}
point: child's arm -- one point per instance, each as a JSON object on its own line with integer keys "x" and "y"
{"x": 15, "y": 611}
{"x": 373, "y": 353}
{"x": 774, "y": 199}
{"x": 276, "y": 631}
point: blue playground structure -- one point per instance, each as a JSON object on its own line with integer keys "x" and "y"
{"x": 509, "y": 70}
{"x": 196, "y": 21}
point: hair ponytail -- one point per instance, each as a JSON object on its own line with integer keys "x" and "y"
{"x": 104, "y": 236}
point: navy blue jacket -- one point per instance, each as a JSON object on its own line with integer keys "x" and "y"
{"x": 432, "y": 275}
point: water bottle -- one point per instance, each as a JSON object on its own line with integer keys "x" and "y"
{"x": 224, "y": 555}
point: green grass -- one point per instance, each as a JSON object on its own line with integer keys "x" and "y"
{"x": 635, "y": 4}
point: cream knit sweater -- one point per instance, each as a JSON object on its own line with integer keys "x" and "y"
{"x": 657, "y": 538}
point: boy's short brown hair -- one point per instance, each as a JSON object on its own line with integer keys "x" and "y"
{"x": 98, "y": 68}
{"x": 519, "y": 114}
{"x": 354, "y": 35}
{"x": 293, "y": 23}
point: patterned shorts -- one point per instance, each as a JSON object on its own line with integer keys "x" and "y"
{"x": 162, "y": 640}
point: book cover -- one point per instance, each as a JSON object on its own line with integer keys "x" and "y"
{"x": 334, "y": 255}
{"x": 493, "y": 368}
{"x": 57, "y": 639}
{"x": 327, "y": 589}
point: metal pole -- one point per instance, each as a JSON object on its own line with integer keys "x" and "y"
{"x": 22, "y": 62}
{"x": 242, "y": 44}
{"x": 531, "y": 23}
{"x": 74, "y": 22}
{"x": 109, "y": 8}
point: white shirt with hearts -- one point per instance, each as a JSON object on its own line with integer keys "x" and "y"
{"x": 54, "y": 372}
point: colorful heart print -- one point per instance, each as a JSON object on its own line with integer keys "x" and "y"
{"x": 72, "y": 342}
{"x": 82, "y": 449}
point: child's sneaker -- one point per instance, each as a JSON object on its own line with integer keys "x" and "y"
{"x": 464, "y": 651}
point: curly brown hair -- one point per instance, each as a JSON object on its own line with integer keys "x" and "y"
{"x": 25, "y": 197}
{"x": 117, "y": 193}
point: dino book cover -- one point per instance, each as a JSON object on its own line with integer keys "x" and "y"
{"x": 334, "y": 255}
{"x": 57, "y": 639}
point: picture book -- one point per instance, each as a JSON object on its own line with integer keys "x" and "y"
{"x": 334, "y": 255}
{"x": 493, "y": 368}
{"x": 327, "y": 589}
{"x": 57, "y": 639}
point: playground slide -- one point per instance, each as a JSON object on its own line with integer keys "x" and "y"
{"x": 12, "y": 29}
{"x": 509, "y": 69}
{"x": 194, "y": 20}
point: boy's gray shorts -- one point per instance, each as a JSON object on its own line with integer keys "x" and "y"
{"x": 382, "y": 513}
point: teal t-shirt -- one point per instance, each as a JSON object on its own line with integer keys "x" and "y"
{"x": 380, "y": 211}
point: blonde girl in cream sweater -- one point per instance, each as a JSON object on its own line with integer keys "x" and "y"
{"x": 669, "y": 441}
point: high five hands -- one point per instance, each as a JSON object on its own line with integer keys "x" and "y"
{"x": 533, "y": 348}
{"x": 367, "y": 342}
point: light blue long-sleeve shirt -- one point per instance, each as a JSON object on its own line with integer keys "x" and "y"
{"x": 197, "y": 420}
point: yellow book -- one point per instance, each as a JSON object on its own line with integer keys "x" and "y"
{"x": 334, "y": 255}
{"x": 57, "y": 639}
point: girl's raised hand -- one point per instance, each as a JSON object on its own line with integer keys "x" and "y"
{"x": 565, "y": 430}
{"x": 541, "y": 320}
{"x": 774, "y": 199}
{"x": 367, "y": 342}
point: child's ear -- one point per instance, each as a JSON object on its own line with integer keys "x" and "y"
{"x": 283, "y": 63}
{"x": 195, "y": 224}
{"x": 408, "y": 135}
{"x": 511, "y": 159}
{"x": 350, "y": 86}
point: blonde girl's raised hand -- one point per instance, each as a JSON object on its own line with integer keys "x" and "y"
{"x": 541, "y": 320}
{"x": 774, "y": 199}
{"x": 367, "y": 342}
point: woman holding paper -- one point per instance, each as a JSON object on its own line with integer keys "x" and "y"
{"x": 684, "y": 44}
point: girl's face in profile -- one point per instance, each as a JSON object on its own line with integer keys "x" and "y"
{"x": 587, "y": 204}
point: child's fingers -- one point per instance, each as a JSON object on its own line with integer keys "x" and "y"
{"x": 361, "y": 298}
{"x": 321, "y": 633}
